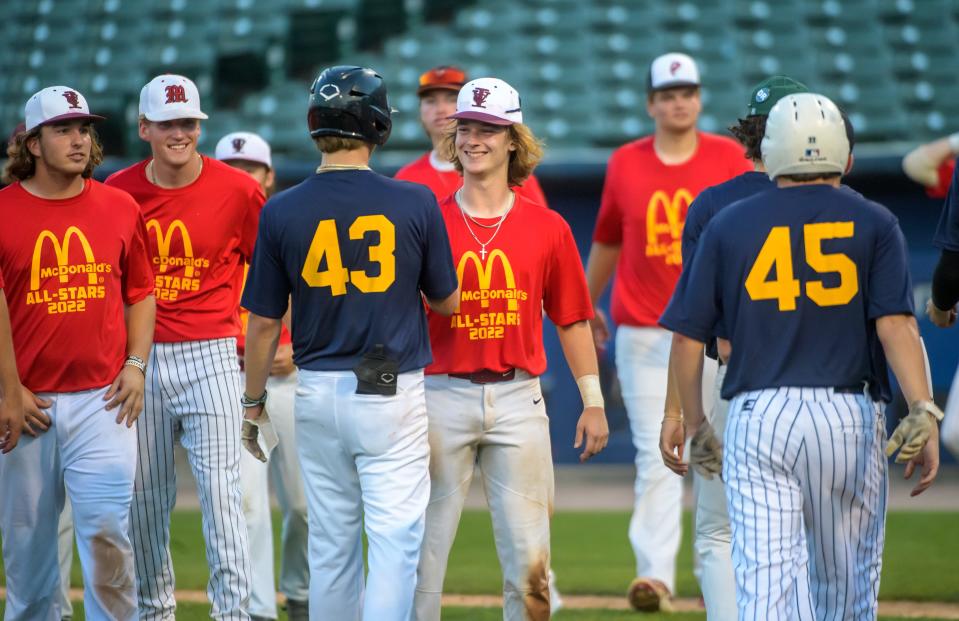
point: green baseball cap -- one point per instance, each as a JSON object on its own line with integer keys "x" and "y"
{"x": 765, "y": 94}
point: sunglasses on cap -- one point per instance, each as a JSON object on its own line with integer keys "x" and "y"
{"x": 444, "y": 77}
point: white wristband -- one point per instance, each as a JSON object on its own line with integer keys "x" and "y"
{"x": 954, "y": 143}
{"x": 590, "y": 391}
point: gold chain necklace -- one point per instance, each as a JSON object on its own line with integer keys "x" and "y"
{"x": 153, "y": 173}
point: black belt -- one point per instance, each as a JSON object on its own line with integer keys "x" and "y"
{"x": 850, "y": 389}
{"x": 486, "y": 376}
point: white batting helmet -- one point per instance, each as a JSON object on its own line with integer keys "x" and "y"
{"x": 805, "y": 133}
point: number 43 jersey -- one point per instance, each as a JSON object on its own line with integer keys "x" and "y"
{"x": 353, "y": 250}
{"x": 795, "y": 278}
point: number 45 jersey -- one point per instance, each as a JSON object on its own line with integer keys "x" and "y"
{"x": 795, "y": 278}
{"x": 353, "y": 249}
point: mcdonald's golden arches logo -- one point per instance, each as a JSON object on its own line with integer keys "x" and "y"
{"x": 64, "y": 269}
{"x": 65, "y": 298}
{"x": 164, "y": 238}
{"x": 664, "y": 224}
{"x": 484, "y": 273}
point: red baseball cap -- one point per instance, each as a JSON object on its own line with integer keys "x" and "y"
{"x": 442, "y": 78}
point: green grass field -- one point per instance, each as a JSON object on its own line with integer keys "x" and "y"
{"x": 591, "y": 555}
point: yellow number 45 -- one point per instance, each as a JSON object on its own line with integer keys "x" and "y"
{"x": 326, "y": 244}
{"x": 777, "y": 252}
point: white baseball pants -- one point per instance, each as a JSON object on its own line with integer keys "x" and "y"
{"x": 86, "y": 455}
{"x": 713, "y": 536}
{"x": 503, "y": 428}
{"x": 65, "y": 557}
{"x": 806, "y": 481}
{"x": 193, "y": 386}
{"x": 949, "y": 431}
{"x": 365, "y": 460}
{"x": 283, "y": 472}
{"x": 642, "y": 358}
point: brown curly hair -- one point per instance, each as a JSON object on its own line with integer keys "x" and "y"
{"x": 522, "y": 161}
{"x": 21, "y": 164}
{"x": 749, "y": 132}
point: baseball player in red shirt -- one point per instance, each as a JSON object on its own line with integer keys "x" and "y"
{"x": 251, "y": 153}
{"x": 649, "y": 185}
{"x": 11, "y": 400}
{"x": 483, "y": 395}
{"x": 79, "y": 285}
{"x": 201, "y": 217}
{"x": 437, "y": 90}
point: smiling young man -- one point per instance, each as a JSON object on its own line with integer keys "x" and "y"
{"x": 79, "y": 287}
{"x": 437, "y": 90}
{"x": 649, "y": 186}
{"x": 201, "y": 217}
{"x": 483, "y": 393}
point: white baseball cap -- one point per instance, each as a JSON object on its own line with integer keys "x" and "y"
{"x": 56, "y": 103}
{"x": 169, "y": 96}
{"x": 672, "y": 69}
{"x": 245, "y": 146}
{"x": 489, "y": 100}
{"x": 805, "y": 133}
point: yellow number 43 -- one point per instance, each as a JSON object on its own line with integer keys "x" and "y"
{"x": 326, "y": 244}
{"x": 777, "y": 252}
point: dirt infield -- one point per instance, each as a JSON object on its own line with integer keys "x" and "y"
{"x": 917, "y": 610}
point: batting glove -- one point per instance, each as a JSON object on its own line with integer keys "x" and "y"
{"x": 706, "y": 452}
{"x": 253, "y": 430}
{"x": 913, "y": 431}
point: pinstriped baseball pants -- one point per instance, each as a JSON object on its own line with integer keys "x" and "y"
{"x": 806, "y": 481}
{"x": 192, "y": 388}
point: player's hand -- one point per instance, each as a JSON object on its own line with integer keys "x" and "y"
{"x": 35, "y": 420}
{"x": 592, "y": 424}
{"x": 251, "y": 431}
{"x": 928, "y": 459}
{"x": 941, "y": 318}
{"x": 11, "y": 420}
{"x": 126, "y": 392}
{"x": 706, "y": 452}
{"x": 913, "y": 431}
{"x": 672, "y": 444}
{"x": 283, "y": 360}
{"x": 600, "y": 328}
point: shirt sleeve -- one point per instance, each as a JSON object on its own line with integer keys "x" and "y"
{"x": 694, "y": 310}
{"x": 890, "y": 286}
{"x": 947, "y": 233}
{"x": 696, "y": 218}
{"x": 944, "y": 176}
{"x": 137, "y": 279}
{"x": 251, "y": 216}
{"x": 438, "y": 274}
{"x": 534, "y": 191}
{"x": 609, "y": 222}
{"x": 267, "y": 289}
{"x": 565, "y": 292}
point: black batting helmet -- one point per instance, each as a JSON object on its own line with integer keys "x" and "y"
{"x": 350, "y": 102}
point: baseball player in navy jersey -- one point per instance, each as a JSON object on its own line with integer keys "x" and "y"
{"x": 713, "y": 534}
{"x": 248, "y": 151}
{"x": 798, "y": 292}
{"x": 345, "y": 244}
{"x": 945, "y": 294}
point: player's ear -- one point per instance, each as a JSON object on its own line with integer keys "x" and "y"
{"x": 852, "y": 159}
{"x": 33, "y": 143}
{"x": 142, "y": 127}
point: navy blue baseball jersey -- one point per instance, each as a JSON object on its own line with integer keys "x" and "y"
{"x": 797, "y": 277}
{"x": 353, "y": 249}
{"x": 947, "y": 233}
